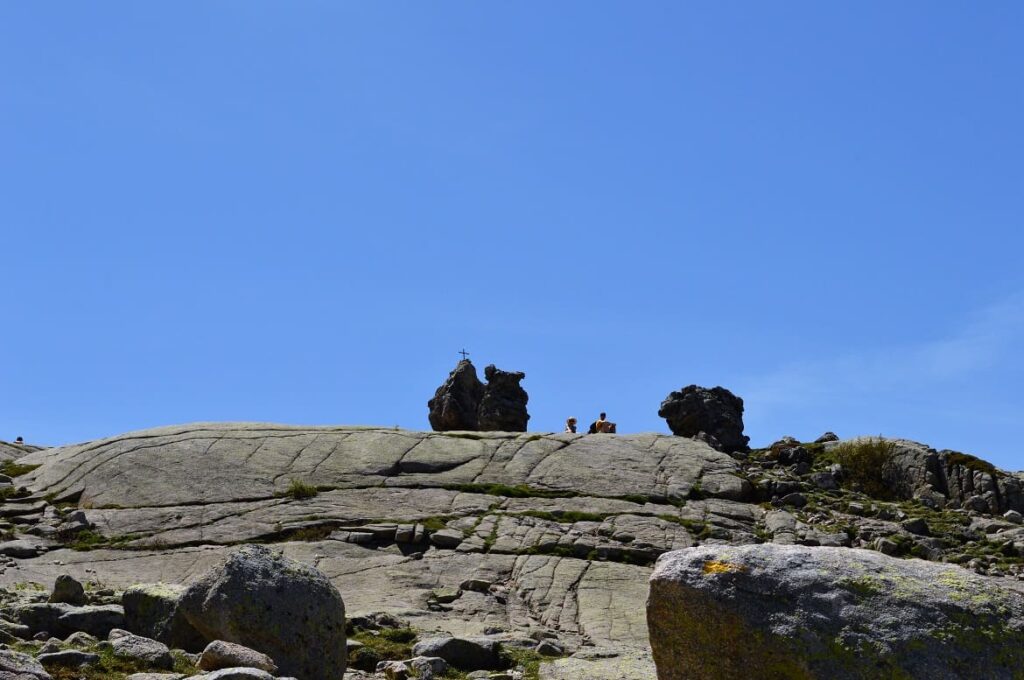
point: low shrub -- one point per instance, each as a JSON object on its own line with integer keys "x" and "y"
{"x": 864, "y": 465}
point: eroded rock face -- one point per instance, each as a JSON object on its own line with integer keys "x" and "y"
{"x": 503, "y": 406}
{"x": 464, "y": 403}
{"x": 456, "y": 402}
{"x": 799, "y": 612}
{"x": 713, "y": 415}
{"x": 278, "y": 606}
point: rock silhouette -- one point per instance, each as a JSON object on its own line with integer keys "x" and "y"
{"x": 713, "y": 415}
{"x": 464, "y": 403}
{"x": 455, "y": 403}
{"x": 503, "y": 407}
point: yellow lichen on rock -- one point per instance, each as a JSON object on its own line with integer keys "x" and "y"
{"x": 718, "y": 567}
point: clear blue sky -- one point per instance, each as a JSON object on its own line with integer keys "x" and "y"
{"x": 299, "y": 212}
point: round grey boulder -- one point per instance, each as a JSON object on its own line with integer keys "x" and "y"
{"x": 285, "y": 609}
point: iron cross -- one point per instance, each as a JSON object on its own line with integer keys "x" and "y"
{"x": 464, "y": 354}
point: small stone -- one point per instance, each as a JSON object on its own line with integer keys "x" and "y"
{"x": 1013, "y": 516}
{"x": 827, "y": 437}
{"x": 916, "y": 525}
{"x": 219, "y": 654}
{"x": 447, "y": 538}
{"x": 142, "y": 649}
{"x": 476, "y": 585}
{"x": 68, "y": 658}
{"x": 797, "y": 500}
{"x": 446, "y": 595}
{"x": 549, "y": 648}
{"x": 428, "y": 667}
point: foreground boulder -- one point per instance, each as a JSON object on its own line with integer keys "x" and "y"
{"x": 455, "y": 404}
{"x": 275, "y": 605}
{"x": 714, "y": 415}
{"x": 799, "y": 612}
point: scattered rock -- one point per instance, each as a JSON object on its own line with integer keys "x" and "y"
{"x": 219, "y": 654}
{"x": 906, "y": 618}
{"x": 16, "y": 663}
{"x": 549, "y": 648}
{"x": 282, "y": 608}
{"x": 428, "y": 667}
{"x": 20, "y": 548}
{"x": 468, "y": 654}
{"x": 242, "y": 674}
{"x": 68, "y": 658}
{"x": 447, "y": 538}
{"x": 150, "y": 652}
{"x": 1013, "y": 516}
{"x": 716, "y": 412}
{"x": 916, "y": 525}
{"x": 66, "y": 589}
{"x": 827, "y": 437}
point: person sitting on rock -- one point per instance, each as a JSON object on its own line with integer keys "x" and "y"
{"x": 570, "y": 425}
{"x": 598, "y": 425}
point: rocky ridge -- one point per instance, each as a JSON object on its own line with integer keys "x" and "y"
{"x": 541, "y": 542}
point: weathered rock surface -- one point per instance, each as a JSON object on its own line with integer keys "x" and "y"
{"x": 129, "y": 646}
{"x": 503, "y": 405}
{"x": 464, "y": 534}
{"x": 275, "y": 605}
{"x": 456, "y": 402}
{"x": 714, "y": 415}
{"x": 219, "y": 654}
{"x": 799, "y": 612}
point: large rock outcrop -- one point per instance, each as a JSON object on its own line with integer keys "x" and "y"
{"x": 275, "y": 605}
{"x": 464, "y": 403}
{"x": 714, "y": 415}
{"x": 503, "y": 406}
{"x": 799, "y": 612}
{"x": 456, "y": 402}
{"x": 951, "y": 478}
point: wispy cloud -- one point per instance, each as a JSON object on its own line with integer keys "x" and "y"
{"x": 986, "y": 340}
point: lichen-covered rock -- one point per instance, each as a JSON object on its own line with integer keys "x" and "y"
{"x": 714, "y": 415}
{"x": 275, "y": 605}
{"x": 797, "y": 612}
{"x": 455, "y": 403}
{"x": 503, "y": 406}
{"x": 151, "y": 610}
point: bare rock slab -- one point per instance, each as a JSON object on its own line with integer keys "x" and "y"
{"x": 801, "y": 612}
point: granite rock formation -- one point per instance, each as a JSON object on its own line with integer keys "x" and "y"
{"x": 799, "y": 612}
{"x": 464, "y": 403}
{"x": 713, "y": 415}
{"x": 540, "y": 541}
{"x": 503, "y": 406}
{"x": 456, "y": 402}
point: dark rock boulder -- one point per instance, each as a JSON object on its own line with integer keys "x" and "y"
{"x": 464, "y": 403}
{"x": 456, "y": 402}
{"x": 799, "y": 612}
{"x": 503, "y": 406}
{"x": 713, "y": 415}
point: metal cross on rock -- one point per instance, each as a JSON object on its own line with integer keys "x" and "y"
{"x": 464, "y": 354}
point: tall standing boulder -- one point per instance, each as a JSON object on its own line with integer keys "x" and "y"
{"x": 456, "y": 402}
{"x": 714, "y": 415}
{"x": 503, "y": 407}
{"x": 275, "y": 605}
{"x": 789, "y": 611}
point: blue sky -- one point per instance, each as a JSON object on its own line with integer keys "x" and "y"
{"x": 299, "y": 212}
